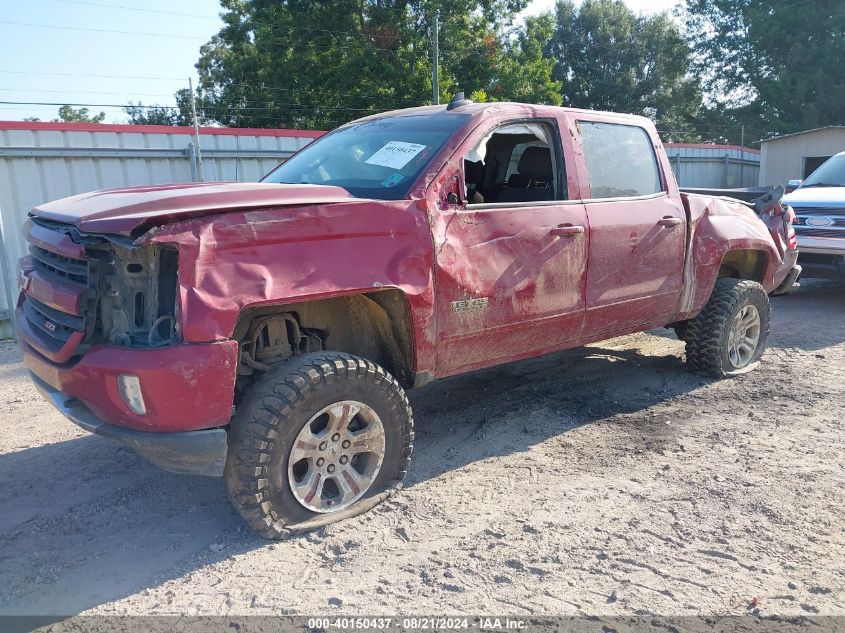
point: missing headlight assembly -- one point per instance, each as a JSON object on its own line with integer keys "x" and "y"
{"x": 137, "y": 289}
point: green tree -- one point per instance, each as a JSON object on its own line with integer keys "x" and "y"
{"x": 139, "y": 114}
{"x": 69, "y": 114}
{"x": 775, "y": 66}
{"x": 608, "y": 58}
{"x": 523, "y": 71}
{"x": 303, "y": 64}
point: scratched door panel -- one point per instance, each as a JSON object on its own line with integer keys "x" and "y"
{"x": 637, "y": 230}
{"x": 635, "y": 268}
{"x": 506, "y": 286}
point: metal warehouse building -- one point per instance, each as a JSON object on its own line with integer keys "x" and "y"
{"x": 797, "y": 155}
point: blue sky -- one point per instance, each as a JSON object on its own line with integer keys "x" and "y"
{"x": 166, "y": 61}
{"x": 56, "y": 65}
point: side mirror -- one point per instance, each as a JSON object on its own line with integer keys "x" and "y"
{"x": 792, "y": 185}
{"x": 452, "y": 198}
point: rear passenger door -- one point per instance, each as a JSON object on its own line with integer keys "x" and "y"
{"x": 637, "y": 231}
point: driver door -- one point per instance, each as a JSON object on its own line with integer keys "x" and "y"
{"x": 510, "y": 265}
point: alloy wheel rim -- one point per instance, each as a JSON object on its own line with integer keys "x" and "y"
{"x": 336, "y": 456}
{"x": 744, "y": 336}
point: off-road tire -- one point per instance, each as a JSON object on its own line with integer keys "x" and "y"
{"x": 681, "y": 329}
{"x": 276, "y": 409}
{"x": 707, "y": 336}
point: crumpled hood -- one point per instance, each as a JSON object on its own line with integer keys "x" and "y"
{"x": 129, "y": 209}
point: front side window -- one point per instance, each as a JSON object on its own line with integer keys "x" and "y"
{"x": 514, "y": 163}
{"x": 620, "y": 160}
{"x": 378, "y": 159}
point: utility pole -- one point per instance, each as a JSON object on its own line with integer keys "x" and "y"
{"x": 435, "y": 41}
{"x": 196, "y": 128}
{"x": 742, "y": 157}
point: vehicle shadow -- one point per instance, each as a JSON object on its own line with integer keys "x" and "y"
{"x": 86, "y": 523}
{"x": 506, "y": 409}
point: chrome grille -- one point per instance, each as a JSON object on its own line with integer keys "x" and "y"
{"x": 831, "y": 211}
{"x": 811, "y": 231}
{"x": 808, "y": 218}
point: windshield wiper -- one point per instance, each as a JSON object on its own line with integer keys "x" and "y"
{"x": 823, "y": 184}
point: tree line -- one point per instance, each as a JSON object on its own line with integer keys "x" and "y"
{"x": 717, "y": 71}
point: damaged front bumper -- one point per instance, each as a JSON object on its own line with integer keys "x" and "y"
{"x": 187, "y": 393}
{"x": 788, "y": 283}
{"x": 200, "y": 452}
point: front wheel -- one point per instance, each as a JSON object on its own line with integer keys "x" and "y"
{"x": 730, "y": 334}
{"x": 321, "y": 438}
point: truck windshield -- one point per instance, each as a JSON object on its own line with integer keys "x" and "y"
{"x": 378, "y": 159}
{"x": 830, "y": 174}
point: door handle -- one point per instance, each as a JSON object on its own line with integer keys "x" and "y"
{"x": 669, "y": 221}
{"x": 567, "y": 230}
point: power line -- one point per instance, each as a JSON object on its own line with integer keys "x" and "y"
{"x": 125, "y": 8}
{"x": 46, "y": 74}
{"x": 206, "y": 17}
{"x": 330, "y": 93}
{"x": 182, "y": 37}
{"x": 216, "y": 109}
{"x": 259, "y": 86}
{"x": 330, "y": 32}
{"x": 83, "y": 105}
{"x": 86, "y": 92}
{"x": 177, "y": 35}
{"x": 266, "y": 87}
{"x": 87, "y": 30}
{"x": 335, "y": 47}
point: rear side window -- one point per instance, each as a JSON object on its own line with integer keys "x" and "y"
{"x": 620, "y": 160}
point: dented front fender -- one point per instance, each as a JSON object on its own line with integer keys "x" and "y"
{"x": 286, "y": 255}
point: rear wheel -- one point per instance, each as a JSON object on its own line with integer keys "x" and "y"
{"x": 324, "y": 437}
{"x": 730, "y": 334}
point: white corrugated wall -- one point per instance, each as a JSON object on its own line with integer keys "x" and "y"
{"x": 714, "y": 166}
{"x": 40, "y": 162}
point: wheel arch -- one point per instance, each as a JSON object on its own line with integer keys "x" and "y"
{"x": 376, "y": 325}
{"x": 726, "y": 239}
{"x": 744, "y": 263}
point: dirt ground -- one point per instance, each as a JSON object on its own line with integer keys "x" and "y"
{"x": 605, "y": 480}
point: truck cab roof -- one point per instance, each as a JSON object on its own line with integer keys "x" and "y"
{"x": 517, "y": 109}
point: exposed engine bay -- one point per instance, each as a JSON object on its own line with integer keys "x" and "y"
{"x": 130, "y": 296}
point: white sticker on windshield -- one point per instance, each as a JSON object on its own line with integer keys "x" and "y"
{"x": 395, "y": 154}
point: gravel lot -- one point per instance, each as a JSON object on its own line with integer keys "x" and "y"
{"x": 605, "y": 480}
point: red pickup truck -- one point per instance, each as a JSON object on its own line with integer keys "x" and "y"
{"x": 266, "y": 332}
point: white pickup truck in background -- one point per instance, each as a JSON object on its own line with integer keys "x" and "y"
{"x": 819, "y": 205}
